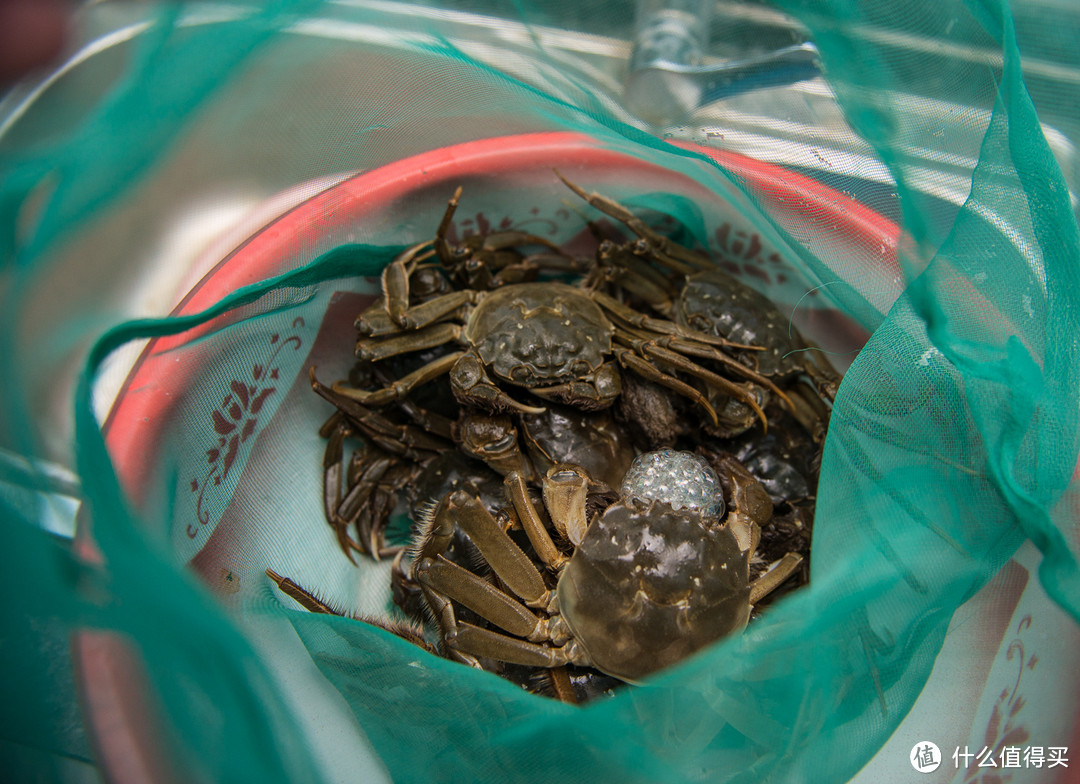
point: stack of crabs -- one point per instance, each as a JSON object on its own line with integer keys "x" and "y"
{"x": 610, "y": 460}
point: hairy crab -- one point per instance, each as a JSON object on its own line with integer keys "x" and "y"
{"x": 614, "y": 595}
{"x": 560, "y": 343}
{"x": 511, "y": 351}
{"x": 402, "y": 453}
{"x": 690, "y": 288}
{"x": 659, "y": 574}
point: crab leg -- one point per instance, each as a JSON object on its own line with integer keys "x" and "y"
{"x": 404, "y": 440}
{"x": 497, "y": 249}
{"x": 374, "y": 322}
{"x": 441, "y": 581}
{"x": 531, "y": 522}
{"x": 493, "y": 260}
{"x": 530, "y": 266}
{"x": 506, "y": 559}
{"x": 684, "y": 342}
{"x": 650, "y": 350}
{"x": 395, "y": 281}
{"x": 312, "y": 603}
{"x": 430, "y": 421}
{"x": 333, "y": 457}
{"x": 367, "y": 469}
{"x": 824, "y": 375}
{"x": 331, "y": 424}
{"x": 631, "y": 318}
{"x": 643, "y": 248}
{"x": 809, "y": 411}
{"x": 484, "y": 642}
{"x": 442, "y": 246}
{"x": 676, "y": 252}
{"x": 480, "y": 596}
{"x": 301, "y": 596}
{"x": 561, "y": 686}
{"x": 442, "y": 609}
{"x": 628, "y": 359}
{"x": 638, "y": 278}
{"x": 417, "y": 340}
{"x": 490, "y": 247}
{"x": 691, "y": 347}
{"x": 372, "y": 497}
{"x": 772, "y": 579}
{"x": 400, "y": 389}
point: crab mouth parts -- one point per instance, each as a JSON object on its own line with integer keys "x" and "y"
{"x": 532, "y": 376}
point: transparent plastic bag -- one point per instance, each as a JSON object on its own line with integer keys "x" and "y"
{"x": 953, "y": 439}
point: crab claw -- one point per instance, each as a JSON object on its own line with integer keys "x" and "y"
{"x": 589, "y": 394}
{"x": 577, "y": 393}
{"x": 471, "y": 386}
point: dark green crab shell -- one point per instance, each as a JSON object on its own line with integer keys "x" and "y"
{"x": 650, "y": 585}
{"x": 715, "y": 303}
{"x": 536, "y": 334}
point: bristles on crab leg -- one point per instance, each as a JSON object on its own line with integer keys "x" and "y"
{"x": 301, "y": 596}
{"x": 312, "y": 603}
{"x": 424, "y": 519}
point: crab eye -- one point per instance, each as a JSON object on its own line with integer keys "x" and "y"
{"x": 580, "y": 367}
{"x": 607, "y": 381}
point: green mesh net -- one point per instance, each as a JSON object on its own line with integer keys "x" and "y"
{"x": 953, "y": 440}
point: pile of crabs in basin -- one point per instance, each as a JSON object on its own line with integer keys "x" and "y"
{"x": 609, "y": 456}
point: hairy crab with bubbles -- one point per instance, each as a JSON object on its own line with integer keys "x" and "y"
{"x": 662, "y": 572}
{"x": 657, "y": 575}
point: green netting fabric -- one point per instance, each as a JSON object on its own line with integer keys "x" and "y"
{"x": 953, "y": 439}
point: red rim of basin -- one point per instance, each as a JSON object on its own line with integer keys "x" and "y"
{"x": 136, "y": 416}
